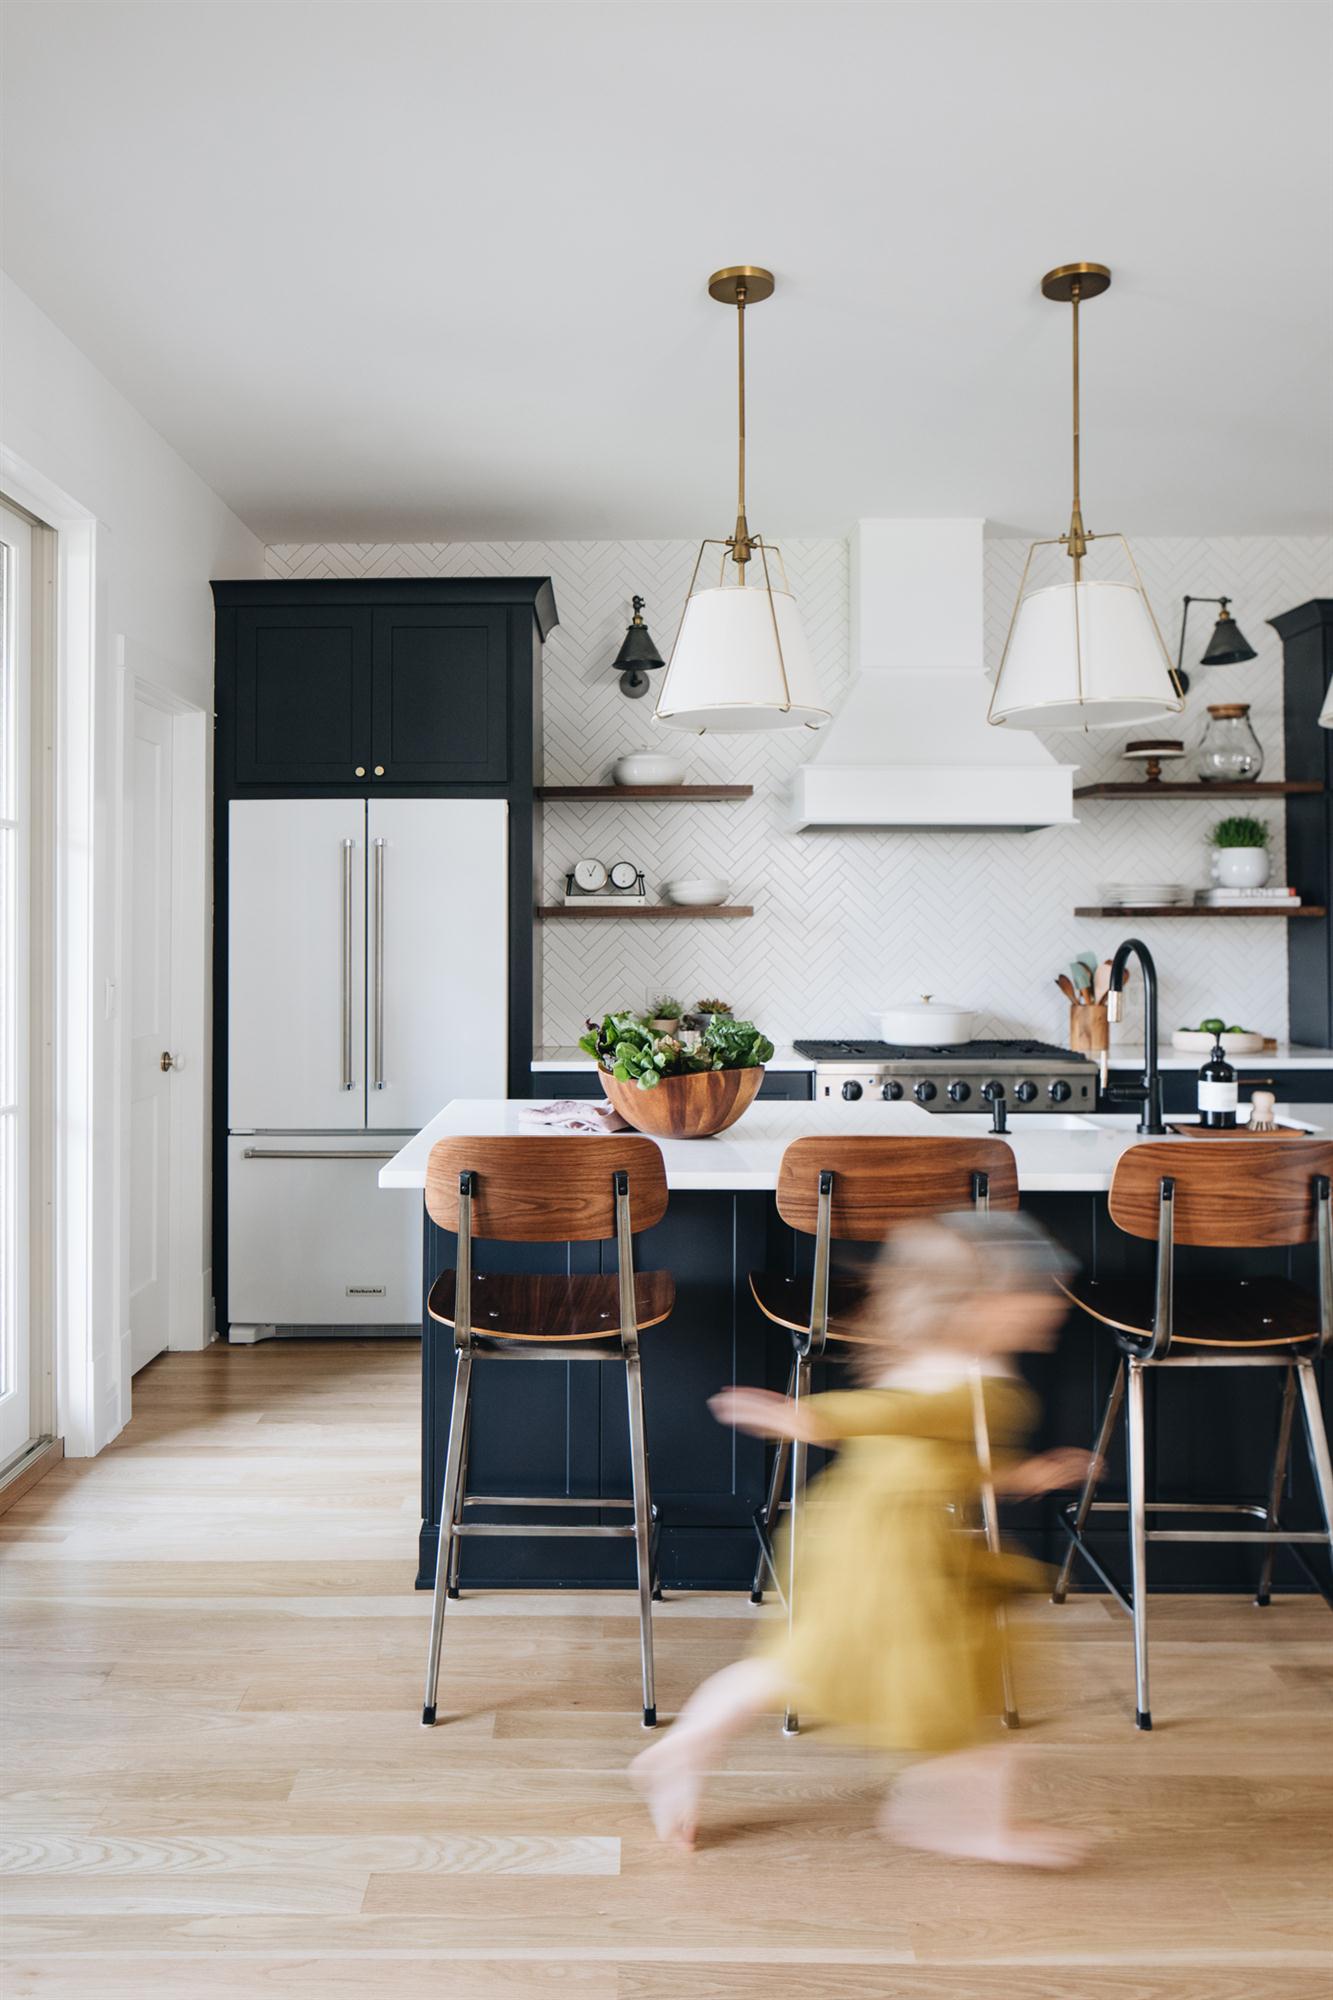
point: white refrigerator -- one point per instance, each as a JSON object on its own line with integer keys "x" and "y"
{"x": 367, "y": 985}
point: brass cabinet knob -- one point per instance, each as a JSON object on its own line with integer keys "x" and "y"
{"x": 360, "y": 770}
{"x": 379, "y": 770}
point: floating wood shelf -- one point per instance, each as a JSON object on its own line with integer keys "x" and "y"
{"x": 1200, "y": 910}
{"x": 1142, "y": 788}
{"x": 648, "y": 910}
{"x": 695, "y": 792}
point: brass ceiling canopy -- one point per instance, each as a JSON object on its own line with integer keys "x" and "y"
{"x": 741, "y": 284}
{"x": 1067, "y": 281}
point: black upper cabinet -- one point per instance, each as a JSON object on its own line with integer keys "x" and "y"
{"x": 440, "y": 694}
{"x": 362, "y": 684}
{"x": 303, "y": 694}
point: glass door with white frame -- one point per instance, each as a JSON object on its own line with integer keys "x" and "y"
{"x": 16, "y": 846}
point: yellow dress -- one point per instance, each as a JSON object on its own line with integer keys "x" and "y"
{"x": 895, "y": 1633}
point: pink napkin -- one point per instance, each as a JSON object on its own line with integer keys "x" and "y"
{"x": 573, "y": 1114}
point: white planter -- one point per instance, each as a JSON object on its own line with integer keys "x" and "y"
{"x": 1240, "y": 867}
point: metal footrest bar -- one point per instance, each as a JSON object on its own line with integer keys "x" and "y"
{"x": 540, "y": 1500}
{"x": 523, "y": 1528}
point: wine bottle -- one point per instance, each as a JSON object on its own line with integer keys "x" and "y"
{"x": 1217, "y": 1091}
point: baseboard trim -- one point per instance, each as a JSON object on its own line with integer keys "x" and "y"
{"x": 39, "y": 1461}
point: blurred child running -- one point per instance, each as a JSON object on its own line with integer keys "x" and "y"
{"x": 895, "y": 1634}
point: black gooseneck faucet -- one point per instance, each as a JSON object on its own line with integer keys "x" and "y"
{"x": 1148, "y": 1090}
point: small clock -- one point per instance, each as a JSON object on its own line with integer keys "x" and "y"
{"x": 593, "y": 882}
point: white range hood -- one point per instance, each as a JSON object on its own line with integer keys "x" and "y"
{"x": 911, "y": 745}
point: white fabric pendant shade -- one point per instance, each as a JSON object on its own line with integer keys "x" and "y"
{"x": 726, "y": 672}
{"x": 1326, "y": 712}
{"x": 1083, "y": 656}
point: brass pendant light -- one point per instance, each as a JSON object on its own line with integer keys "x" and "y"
{"x": 1085, "y": 654}
{"x": 740, "y": 661}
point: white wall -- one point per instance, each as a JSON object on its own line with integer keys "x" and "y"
{"x": 849, "y": 921}
{"x": 160, "y": 535}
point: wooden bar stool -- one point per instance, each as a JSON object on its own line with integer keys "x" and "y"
{"x": 854, "y": 1189}
{"x": 1220, "y": 1194}
{"x": 546, "y": 1189}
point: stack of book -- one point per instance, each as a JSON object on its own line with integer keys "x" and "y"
{"x": 1248, "y": 899}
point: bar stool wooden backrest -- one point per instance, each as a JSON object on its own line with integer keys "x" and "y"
{"x": 1226, "y": 1194}
{"x": 856, "y": 1187}
{"x": 546, "y": 1187}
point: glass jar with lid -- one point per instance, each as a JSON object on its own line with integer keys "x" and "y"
{"x": 1229, "y": 753}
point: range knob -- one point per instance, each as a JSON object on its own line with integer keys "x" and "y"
{"x": 924, "y": 1091}
{"x": 851, "y": 1090}
{"x": 1025, "y": 1091}
{"x": 892, "y": 1090}
{"x": 960, "y": 1092}
{"x": 1060, "y": 1091}
{"x": 992, "y": 1089}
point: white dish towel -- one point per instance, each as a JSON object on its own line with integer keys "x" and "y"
{"x": 573, "y": 1114}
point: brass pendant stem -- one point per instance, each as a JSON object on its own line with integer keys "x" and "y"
{"x": 740, "y": 547}
{"x": 1078, "y": 540}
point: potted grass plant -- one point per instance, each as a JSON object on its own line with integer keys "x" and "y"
{"x": 1240, "y": 852}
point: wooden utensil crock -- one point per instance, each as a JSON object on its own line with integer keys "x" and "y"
{"x": 1090, "y": 1028}
{"x": 685, "y": 1107}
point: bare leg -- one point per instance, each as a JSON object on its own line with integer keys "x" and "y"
{"x": 962, "y": 1804}
{"x": 671, "y": 1774}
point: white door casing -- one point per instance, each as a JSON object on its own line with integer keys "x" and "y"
{"x": 16, "y": 1407}
{"x": 296, "y": 965}
{"x": 437, "y": 956}
{"x": 151, "y": 1028}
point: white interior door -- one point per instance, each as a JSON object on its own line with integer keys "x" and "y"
{"x": 297, "y": 965}
{"x": 438, "y": 951}
{"x": 152, "y": 1048}
{"x": 16, "y": 1425}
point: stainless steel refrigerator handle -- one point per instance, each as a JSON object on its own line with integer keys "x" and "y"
{"x": 377, "y": 1080}
{"x": 303, "y": 1153}
{"x": 347, "y": 1083}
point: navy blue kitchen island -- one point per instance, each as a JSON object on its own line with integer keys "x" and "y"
{"x": 543, "y": 1428}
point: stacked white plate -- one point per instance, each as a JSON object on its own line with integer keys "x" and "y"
{"x": 1142, "y": 895}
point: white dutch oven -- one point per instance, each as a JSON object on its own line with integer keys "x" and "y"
{"x": 926, "y": 1023}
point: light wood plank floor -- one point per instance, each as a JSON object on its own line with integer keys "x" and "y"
{"x": 217, "y": 1784}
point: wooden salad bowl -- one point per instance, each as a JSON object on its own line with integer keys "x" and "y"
{"x": 686, "y": 1107}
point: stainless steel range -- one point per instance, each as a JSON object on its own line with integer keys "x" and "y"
{"x": 961, "y": 1076}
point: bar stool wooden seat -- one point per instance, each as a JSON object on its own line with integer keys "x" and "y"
{"x": 547, "y": 1188}
{"x": 1219, "y": 1194}
{"x": 854, "y": 1189}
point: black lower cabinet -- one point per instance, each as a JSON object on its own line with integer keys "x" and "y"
{"x": 550, "y": 1428}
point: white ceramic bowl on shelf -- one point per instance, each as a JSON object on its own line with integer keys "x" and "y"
{"x": 697, "y": 891}
{"x": 646, "y": 767}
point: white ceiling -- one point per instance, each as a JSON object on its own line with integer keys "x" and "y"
{"x": 437, "y": 270}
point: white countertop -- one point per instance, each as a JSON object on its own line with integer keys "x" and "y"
{"x": 1287, "y": 1055}
{"x": 573, "y": 1057}
{"x": 1053, "y": 1154}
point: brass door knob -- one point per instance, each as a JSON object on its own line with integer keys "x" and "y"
{"x": 360, "y": 770}
{"x": 167, "y": 1061}
{"x": 379, "y": 770}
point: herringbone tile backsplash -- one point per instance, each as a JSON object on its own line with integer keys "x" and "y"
{"x": 847, "y": 922}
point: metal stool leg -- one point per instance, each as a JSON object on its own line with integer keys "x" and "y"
{"x": 791, "y": 1722}
{"x": 642, "y": 1532}
{"x": 456, "y": 1552}
{"x": 1263, "y": 1594}
{"x": 448, "y": 1514}
{"x": 1317, "y": 1438}
{"x": 1138, "y": 1545}
{"x": 1091, "y": 1483}
{"x": 990, "y": 1517}
{"x": 768, "y": 1513}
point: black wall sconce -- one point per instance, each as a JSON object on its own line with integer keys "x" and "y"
{"x": 1227, "y": 647}
{"x": 637, "y": 656}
